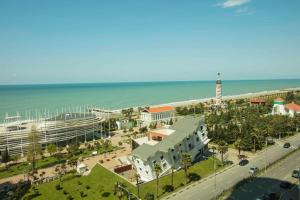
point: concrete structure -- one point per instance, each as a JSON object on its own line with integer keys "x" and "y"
{"x": 218, "y": 91}
{"x": 157, "y": 114}
{"x": 279, "y": 108}
{"x": 165, "y": 146}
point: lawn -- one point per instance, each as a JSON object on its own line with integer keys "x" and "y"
{"x": 19, "y": 168}
{"x": 101, "y": 180}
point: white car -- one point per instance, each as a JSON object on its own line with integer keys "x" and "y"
{"x": 253, "y": 170}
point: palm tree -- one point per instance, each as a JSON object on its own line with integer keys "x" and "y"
{"x": 172, "y": 168}
{"x": 137, "y": 177}
{"x": 186, "y": 161}
{"x": 254, "y": 136}
{"x": 157, "y": 170}
{"x": 238, "y": 145}
{"x": 222, "y": 148}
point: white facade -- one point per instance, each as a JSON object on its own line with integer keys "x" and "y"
{"x": 157, "y": 114}
{"x": 279, "y": 108}
{"x": 218, "y": 91}
{"x": 168, "y": 153}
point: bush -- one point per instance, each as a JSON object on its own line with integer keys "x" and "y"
{"x": 88, "y": 187}
{"x": 65, "y": 192}
{"x": 168, "y": 188}
{"x": 193, "y": 177}
{"x": 105, "y": 194}
{"x": 79, "y": 183}
{"x": 149, "y": 196}
{"x": 70, "y": 197}
{"x": 58, "y": 187}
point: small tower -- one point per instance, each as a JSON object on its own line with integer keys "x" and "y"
{"x": 218, "y": 90}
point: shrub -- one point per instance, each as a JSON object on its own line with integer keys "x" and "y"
{"x": 70, "y": 197}
{"x": 105, "y": 194}
{"x": 149, "y": 196}
{"x": 58, "y": 187}
{"x": 193, "y": 177}
{"x": 79, "y": 183}
{"x": 88, "y": 187}
{"x": 168, "y": 188}
{"x": 65, "y": 192}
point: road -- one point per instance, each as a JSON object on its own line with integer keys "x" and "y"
{"x": 269, "y": 181}
{"x": 208, "y": 190}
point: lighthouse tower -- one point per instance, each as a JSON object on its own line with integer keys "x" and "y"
{"x": 218, "y": 90}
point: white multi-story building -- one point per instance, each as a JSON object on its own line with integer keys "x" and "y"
{"x": 218, "y": 91}
{"x": 279, "y": 108}
{"x": 165, "y": 146}
{"x": 157, "y": 114}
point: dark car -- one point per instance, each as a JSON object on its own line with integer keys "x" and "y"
{"x": 243, "y": 162}
{"x": 286, "y": 145}
{"x": 285, "y": 185}
{"x": 295, "y": 174}
{"x": 273, "y": 196}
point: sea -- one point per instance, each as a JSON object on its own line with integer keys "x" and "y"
{"x": 50, "y": 99}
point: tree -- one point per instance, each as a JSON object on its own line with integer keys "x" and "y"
{"x": 73, "y": 149}
{"x": 290, "y": 97}
{"x": 254, "y": 136}
{"x": 5, "y": 157}
{"x": 222, "y": 148}
{"x": 246, "y": 143}
{"x": 186, "y": 161}
{"x": 157, "y": 170}
{"x": 34, "y": 148}
{"x": 137, "y": 178}
{"x": 172, "y": 182}
{"x": 51, "y": 148}
{"x": 237, "y": 145}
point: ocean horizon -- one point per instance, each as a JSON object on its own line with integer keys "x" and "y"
{"x": 39, "y": 99}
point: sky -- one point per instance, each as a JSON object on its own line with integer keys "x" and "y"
{"x": 61, "y": 41}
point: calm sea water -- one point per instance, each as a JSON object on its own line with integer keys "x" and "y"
{"x": 64, "y": 97}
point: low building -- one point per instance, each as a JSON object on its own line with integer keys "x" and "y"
{"x": 165, "y": 146}
{"x": 257, "y": 102}
{"x": 157, "y": 114}
{"x": 279, "y": 108}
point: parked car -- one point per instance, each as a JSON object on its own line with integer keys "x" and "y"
{"x": 286, "y": 145}
{"x": 253, "y": 170}
{"x": 243, "y": 162}
{"x": 296, "y": 173}
{"x": 285, "y": 185}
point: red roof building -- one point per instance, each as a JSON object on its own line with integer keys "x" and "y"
{"x": 292, "y": 106}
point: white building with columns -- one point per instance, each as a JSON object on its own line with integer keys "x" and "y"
{"x": 187, "y": 135}
{"x": 157, "y": 114}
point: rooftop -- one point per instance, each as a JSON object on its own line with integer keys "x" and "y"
{"x": 160, "y": 109}
{"x": 293, "y": 106}
{"x": 182, "y": 128}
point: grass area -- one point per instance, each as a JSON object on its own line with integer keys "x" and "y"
{"x": 20, "y": 168}
{"x": 102, "y": 180}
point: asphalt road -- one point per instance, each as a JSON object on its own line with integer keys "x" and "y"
{"x": 269, "y": 181}
{"x": 207, "y": 189}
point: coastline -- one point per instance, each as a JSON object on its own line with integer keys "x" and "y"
{"x": 208, "y": 99}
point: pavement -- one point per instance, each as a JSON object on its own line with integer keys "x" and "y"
{"x": 268, "y": 181}
{"x": 214, "y": 185}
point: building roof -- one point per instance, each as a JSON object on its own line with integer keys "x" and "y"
{"x": 160, "y": 109}
{"x": 293, "y": 106}
{"x": 257, "y": 101}
{"x": 71, "y": 116}
{"x": 183, "y": 128}
{"x": 279, "y": 99}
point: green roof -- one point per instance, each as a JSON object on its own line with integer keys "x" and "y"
{"x": 183, "y": 128}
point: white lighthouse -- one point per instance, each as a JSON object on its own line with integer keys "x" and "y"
{"x": 219, "y": 90}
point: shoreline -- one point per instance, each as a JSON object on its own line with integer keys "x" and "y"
{"x": 204, "y": 100}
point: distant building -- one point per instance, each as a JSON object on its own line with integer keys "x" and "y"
{"x": 279, "y": 108}
{"x": 165, "y": 146}
{"x": 257, "y": 102}
{"x": 219, "y": 90}
{"x": 157, "y": 114}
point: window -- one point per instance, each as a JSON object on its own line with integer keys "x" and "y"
{"x": 161, "y": 157}
{"x": 174, "y": 157}
{"x": 172, "y": 150}
{"x": 140, "y": 169}
{"x": 195, "y": 133}
{"x": 197, "y": 139}
{"x": 137, "y": 161}
{"x": 154, "y": 161}
{"x": 187, "y": 138}
{"x": 180, "y": 145}
{"x": 201, "y": 128}
{"x": 164, "y": 165}
{"x": 190, "y": 146}
{"x": 147, "y": 172}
